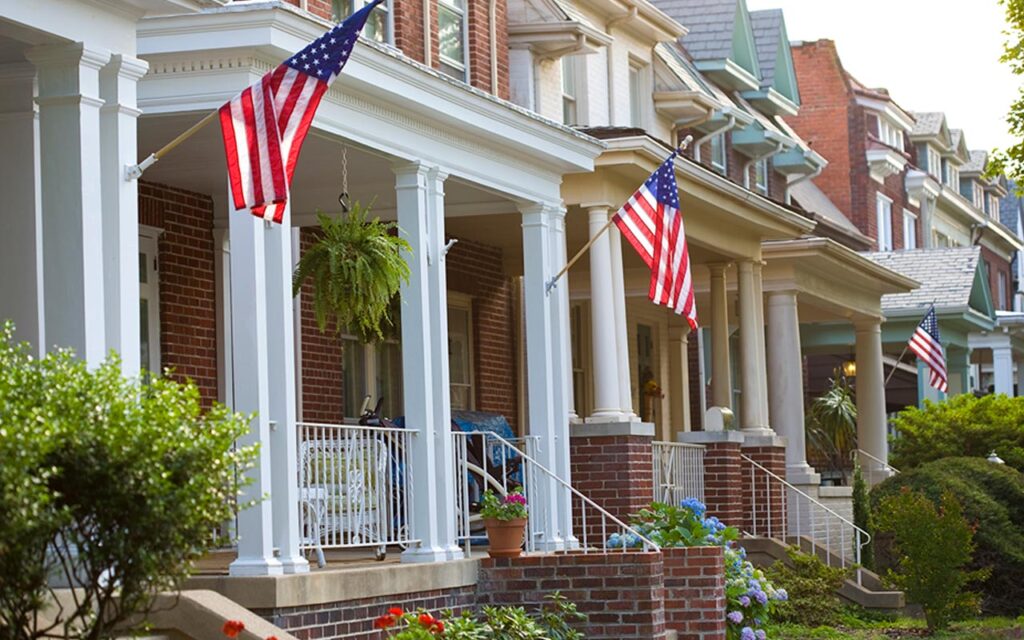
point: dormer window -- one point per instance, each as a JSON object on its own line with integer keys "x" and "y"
{"x": 719, "y": 159}
{"x": 950, "y": 175}
{"x": 934, "y": 163}
{"x": 890, "y": 134}
{"x": 979, "y": 196}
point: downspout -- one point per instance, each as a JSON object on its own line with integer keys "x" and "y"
{"x": 494, "y": 46}
{"x": 729, "y": 124}
{"x": 809, "y": 176}
{"x": 428, "y": 45}
{"x": 755, "y": 160}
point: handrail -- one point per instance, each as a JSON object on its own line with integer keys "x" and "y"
{"x": 856, "y": 452}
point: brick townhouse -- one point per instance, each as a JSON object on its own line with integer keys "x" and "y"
{"x": 909, "y": 182}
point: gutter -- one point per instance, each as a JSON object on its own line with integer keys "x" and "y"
{"x": 746, "y": 167}
{"x": 809, "y": 176}
{"x": 729, "y": 124}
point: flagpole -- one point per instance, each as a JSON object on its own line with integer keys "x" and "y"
{"x": 579, "y": 254}
{"x": 899, "y": 360}
{"x": 135, "y": 172}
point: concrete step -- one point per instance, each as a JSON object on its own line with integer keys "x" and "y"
{"x": 870, "y": 593}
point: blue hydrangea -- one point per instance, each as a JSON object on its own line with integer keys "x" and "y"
{"x": 744, "y": 601}
{"x": 747, "y": 634}
{"x": 695, "y": 505}
{"x": 735, "y": 617}
{"x": 760, "y": 634}
{"x": 614, "y": 541}
{"x": 781, "y": 595}
{"x": 761, "y": 597}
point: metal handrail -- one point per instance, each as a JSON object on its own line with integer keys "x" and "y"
{"x": 856, "y": 452}
{"x": 678, "y": 471}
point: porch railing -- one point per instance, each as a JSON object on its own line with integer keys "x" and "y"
{"x": 859, "y": 456}
{"x": 678, "y": 471}
{"x": 355, "y": 487}
{"x": 780, "y": 510}
{"x": 485, "y": 460}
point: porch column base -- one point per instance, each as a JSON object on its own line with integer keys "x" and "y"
{"x": 723, "y": 482}
{"x": 250, "y": 566}
{"x": 420, "y": 555}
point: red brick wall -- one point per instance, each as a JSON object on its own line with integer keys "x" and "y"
{"x": 724, "y": 481}
{"x": 622, "y": 593}
{"x": 321, "y": 358}
{"x": 188, "y": 312}
{"x": 997, "y": 265}
{"x": 695, "y": 592}
{"x": 616, "y": 472}
{"x": 764, "y": 502}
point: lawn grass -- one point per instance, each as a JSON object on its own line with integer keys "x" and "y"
{"x": 902, "y": 628}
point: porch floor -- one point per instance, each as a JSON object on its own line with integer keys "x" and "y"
{"x": 216, "y": 563}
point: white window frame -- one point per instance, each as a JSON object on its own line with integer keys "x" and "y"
{"x": 951, "y": 175}
{"x": 718, "y": 142}
{"x": 150, "y": 292}
{"x": 761, "y": 176}
{"x": 883, "y": 210}
{"x": 934, "y": 162}
{"x": 455, "y": 68}
{"x": 464, "y": 302}
{"x": 1001, "y": 280}
{"x": 636, "y": 94}
{"x": 978, "y": 196}
{"x": 355, "y": 5}
{"x": 570, "y": 90}
{"x": 889, "y": 133}
{"x": 909, "y": 230}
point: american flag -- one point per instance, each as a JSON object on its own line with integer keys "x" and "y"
{"x": 651, "y": 222}
{"x": 925, "y": 343}
{"x": 264, "y": 126}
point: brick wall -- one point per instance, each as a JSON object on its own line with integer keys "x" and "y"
{"x": 321, "y": 357}
{"x": 616, "y": 472}
{"x": 353, "y": 619}
{"x": 188, "y": 312}
{"x": 622, "y": 593}
{"x": 997, "y": 265}
{"x": 763, "y": 501}
{"x": 695, "y": 592}
{"x": 724, "y": 481}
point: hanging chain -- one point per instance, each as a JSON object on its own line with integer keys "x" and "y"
{"x": 343, "y": 198}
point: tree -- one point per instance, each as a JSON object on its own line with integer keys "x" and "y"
{"x": 356, "y": 269}
{"x": 1010, "y": 162}
{"x": 109, "y": 485}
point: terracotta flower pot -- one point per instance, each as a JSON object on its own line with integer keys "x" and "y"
{"x": 505, "y": 537}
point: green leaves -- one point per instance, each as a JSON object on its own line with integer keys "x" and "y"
{"x": 832, "y": 424}
{"x": 356, "y": 268}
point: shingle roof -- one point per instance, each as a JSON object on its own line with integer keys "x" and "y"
{"x": 927, "y": 123}
{"x": 946, "y": 276}
{"x": 812, "y": 198}
{"x": 976, "y": 164}
{"x": 955, "y": 135}
{"x": 767, "y": 26}
{"x": 1010, "y": 207}
{"x": 710, "y": 24}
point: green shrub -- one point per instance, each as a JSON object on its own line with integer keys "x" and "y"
{"x": 933, "y": 546}
{"x": 992, "y": 497}
{"x": 862, "y": 518}
{"x": 961, "y": 426}
{"x": 811, "y": 586}
{"x": 555, "y": 620}
{"x": 110, "y": 485}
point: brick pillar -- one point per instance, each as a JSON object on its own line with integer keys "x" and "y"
{"x": 695, "y": 592}
{"x": 613, "y": 465}
{"x": 723, "y": 479}
{"x": 764, "y": 498}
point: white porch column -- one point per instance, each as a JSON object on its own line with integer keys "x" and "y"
{"x": 420, "y": 200}
{"x": 621, "y": 328}
{"x": 761, "y": 349}
{"x": 721, "y": 376}
{"x": 562, "y": 370}
{"x": 284, "y": 492}
{"x": 118, "y": 120}
{"x": 752, "y": 372}
{"x": 21, "y": 243}
{"x": 871, "y": 417}
{"x": 251, "y": 363}
{"x": 607, "y": 392}
{"x": 1002, "y": 368}
{"x": 543, "y": 380}
{"x": 71, "y": 199}
{"x": 679, "y": 383}
{"x": 786, "y": 384}
{"x": 222, "y": 293}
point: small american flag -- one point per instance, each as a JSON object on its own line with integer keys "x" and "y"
{"x": 651, "y": 222}
{"x": 264, "y": 126}
{"x": 925, "y": 343}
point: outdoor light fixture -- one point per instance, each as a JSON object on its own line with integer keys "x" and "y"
{"x": 992, "y": 457}
{"x": 850, "y": 369}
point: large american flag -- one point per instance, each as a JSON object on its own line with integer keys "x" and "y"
{"x": 925, "y": 343}
{"x": 651, "y": 222}
{"x": 264, "y": 126}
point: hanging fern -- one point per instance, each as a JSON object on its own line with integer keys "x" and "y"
{"x": 356, "y": 269}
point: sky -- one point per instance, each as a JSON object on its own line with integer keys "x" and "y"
{"x": 932, "y": 55}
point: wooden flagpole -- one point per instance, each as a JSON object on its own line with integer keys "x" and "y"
{"x": 135, "y": 172}
{"x": 904, "y": 352}
{"x": 579, "y": 254}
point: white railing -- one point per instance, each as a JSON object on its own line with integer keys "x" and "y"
{"x": 780, "y": 510}
{"x": 485, "y": 460}
{"x": 355, "y": 487}
{"x": 678, "y": 472}
{"x": 876, "y": 472}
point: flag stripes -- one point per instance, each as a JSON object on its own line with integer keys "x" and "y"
{"x": 926, "y": 345}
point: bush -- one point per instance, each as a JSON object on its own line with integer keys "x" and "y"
{"x": 961, "y": 426}
{"x": 811, "y": 585}
{"x": 934, "y": 546}
{"x": 109, "y": 485}
{"x": 992, "y": 497}
{"x": 862, "y": 518}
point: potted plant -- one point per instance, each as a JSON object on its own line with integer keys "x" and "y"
{"x": 505, "y": 520}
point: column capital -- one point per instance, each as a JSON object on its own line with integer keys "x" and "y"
{"x": 782, "y": 297}
{"x": 867, "y": 324}
{"x": 128, "y": 67}
{"x": 76, "y": 53}
{"x": 540, "y": 214}
{"x": 717, "y": 269}
{"x": 411, "y": 168}
{"x": 589, "y": 206}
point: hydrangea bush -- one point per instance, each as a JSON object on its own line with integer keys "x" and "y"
{"x": 750, "y": 596}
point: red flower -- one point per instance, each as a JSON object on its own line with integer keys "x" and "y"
{"x": 427, "y": 620}
{"x": 395, "y": 611}
{"x": 384, "y": 622}
{"x": 232, "y": 628}
{"x": 271, "y": 637}
{"x": 437, "y": 627}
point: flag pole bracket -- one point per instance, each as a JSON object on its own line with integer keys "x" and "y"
{"x": 134, "y": 171}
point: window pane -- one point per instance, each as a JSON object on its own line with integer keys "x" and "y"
{"x": 645, "y": 371}
{"x": 634, "y": 97}
{"x": 377, "y": 25}
{"x": 389, "y": 378}
{"x": 450, "y": 35}
{"x": 458, "y": 345}
{"x": 340, "y": 9}
{"x": 353, "y": 376}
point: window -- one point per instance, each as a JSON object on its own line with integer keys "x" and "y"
{"x": 884, "y": 207}
{"x": 1002, "y": 290}
{"x": 460, "y": 352}
{"x": 761, "y": 176}
{"x": 978, "y": 196}
{"x": 635, "y": 112}
{"x": 579, "y": 380}
{"x": 373, "y": 370}
{"x": 378, "y": 25}
{"x": 149, "y": 302}
{"x": 570, "y": 108}
{"x": 890, "y": 134}
{"x": 719, "y": 160}
{"x": 950, "y": 175}
{"x": 993, "y": 207}
{"x": 909, "y": 230}
{"x": 451, "y": 32}
{"x": 934, "y": 163}
{"x": 646, "y": 401}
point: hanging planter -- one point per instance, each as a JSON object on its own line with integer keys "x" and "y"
{"x": 356, "y": 269}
